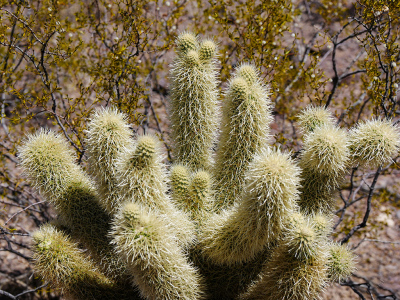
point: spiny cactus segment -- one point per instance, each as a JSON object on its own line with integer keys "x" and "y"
{"x": 244, "y": 132}
{"x": 108, "y": 134}
{"x": 374, "y": 142}
{"x": 153, "y": 257}
{"x": 341, "y": 262}
{"x": 193, "y": 101}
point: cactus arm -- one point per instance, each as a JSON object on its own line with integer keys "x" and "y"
{"x": 245, "y": 131}
{"x": 324, "y": 162}
{"x": 108, "y": 134}
{"x": 143, "y": 179}
{"x": 193, "y": 107}
{"x": 151, "y": 253}
{"x": 59, "y": 260}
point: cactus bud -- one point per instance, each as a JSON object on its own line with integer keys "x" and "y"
{"x": 185, "y": 42}
{"x": 302, "y": 241}
{"x": 146, "y": 147}
{"x": 248, "y": 72}
{"x": 239, "y": 88}
{"x": 180, "y": 184}
{"x": 313, "y": 117}
{"x": 208, "y": 50}
{"x": 322, "y": 224}
{"x": 192, "y": 59}
{"x": 296, "y": 218}
{"x": 199, "y": 191}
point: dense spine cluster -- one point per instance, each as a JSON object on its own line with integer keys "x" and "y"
{"x": 142, "y": 179}
{"x": 49, "y": 164}
{"x": 374, "y": 142}
{"x": 231, "y": 218}
{"x": 298, "y": 267}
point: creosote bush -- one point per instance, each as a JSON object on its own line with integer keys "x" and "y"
{"x": 251, "y": 217}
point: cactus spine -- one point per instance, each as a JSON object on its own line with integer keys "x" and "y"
{"x": 324, "y": 159}
{"x": 60, "y": 261}
{"x": 374, "y": 142}
{"x": 142, "y": 179}
{"x": 245, "y": 222}
{"x": 297, "y": 269}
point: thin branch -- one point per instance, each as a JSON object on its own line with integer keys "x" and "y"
{"x": 17, "y": 213}
{"x": 368, "y": 210}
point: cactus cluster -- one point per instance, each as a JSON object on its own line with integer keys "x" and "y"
{"x": 231, "y": 218}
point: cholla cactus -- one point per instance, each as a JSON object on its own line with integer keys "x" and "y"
{"x": 245, "y": 130}
{"x": 246, "y": 221}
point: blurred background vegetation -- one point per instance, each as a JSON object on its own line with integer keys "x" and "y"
{"x": 60, "y": 59}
